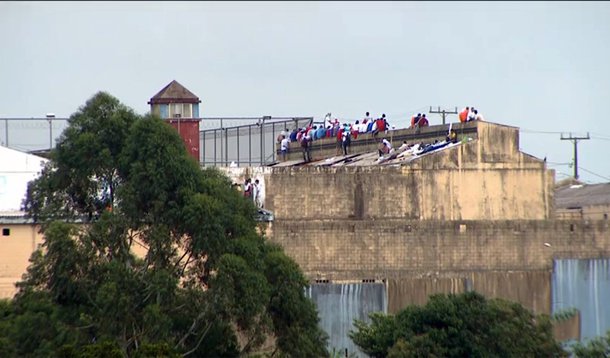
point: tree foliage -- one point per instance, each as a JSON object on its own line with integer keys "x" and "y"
{"x": 208, "y": 285}
{"x": 598, "y": 347}
{"x": 464, "y": 325}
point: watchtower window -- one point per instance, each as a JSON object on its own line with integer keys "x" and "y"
{"x": 181, "y": 110}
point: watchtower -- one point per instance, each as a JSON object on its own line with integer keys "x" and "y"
{"x": 179, "y": 107}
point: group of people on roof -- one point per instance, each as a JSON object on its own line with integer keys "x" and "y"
{"x": 470, "y": 114}
{"x": 419, "y": 121}
{"x": 332, "y": 128}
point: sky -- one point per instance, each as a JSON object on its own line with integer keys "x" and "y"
{"x": 540, "y": 66}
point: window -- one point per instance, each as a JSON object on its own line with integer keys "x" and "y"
{"x": 6, "y": 231}
{"x": 181, "y": 110}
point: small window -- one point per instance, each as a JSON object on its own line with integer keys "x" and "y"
{"x": 605, "y": 216}
{"x": 6, "y": 231}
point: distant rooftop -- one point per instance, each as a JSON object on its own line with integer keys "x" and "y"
{"x": 577, "y": 196}
{"x": 174, "y": 92}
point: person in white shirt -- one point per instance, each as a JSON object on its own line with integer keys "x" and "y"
{"x": 284, "y": 147}
{"x": 385, "y": 147}
{"x": 478, "y": 116}
{"x": 403, "y": 147}
{"x": 368, "y": 117}
{"x": 258, "y": 196}
{"x": 471, "y": 114}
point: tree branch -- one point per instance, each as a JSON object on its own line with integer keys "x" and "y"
{"x": 200, "y": 340}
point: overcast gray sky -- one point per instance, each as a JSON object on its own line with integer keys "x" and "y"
{"x": 539, "y": 66}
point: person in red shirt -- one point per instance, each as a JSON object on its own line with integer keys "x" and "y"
{"x": 380, "y": 124}
{"x": 464, "y": 114}
{"x": 339, "y": 140}
{"x": 423, "y": 122}
{"x": 415, "y": 120}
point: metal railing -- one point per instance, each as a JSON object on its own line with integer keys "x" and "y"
{"x": 243, "y": 141}
{"x": 31, "y": 134}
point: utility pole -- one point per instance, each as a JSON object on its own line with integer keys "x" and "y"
{"x": 575, "y": 141}
{"x": 443, "y": 112}
{"x": 50, "y": 117}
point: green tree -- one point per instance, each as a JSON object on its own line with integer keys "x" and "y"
{"x": 209, "y": 284}
{"x": 598, "y": 347}
{"x": 464, "y": 325}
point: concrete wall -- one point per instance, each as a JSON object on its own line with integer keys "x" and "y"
{"x": 485, "y": 179}
{"x": 530, "y": 288}
{"x": 593, "y": 212}
{"x": 15, "y": 252}
{"x": 394, "y": 248}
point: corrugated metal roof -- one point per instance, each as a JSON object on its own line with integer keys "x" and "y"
{"x": 174, "y": 92}
{"x": 14, "y": 217}
{"x": 573, "y": 196}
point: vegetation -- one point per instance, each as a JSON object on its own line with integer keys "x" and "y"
{"x": 598, "y": 347}
{"x": 464, "y": 325}
{"x": 208, "y": 283}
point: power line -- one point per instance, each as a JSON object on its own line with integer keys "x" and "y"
{"x": 597, "y": 175}
{"x": 601, "y": 135}
{"x": 540, "y": 132}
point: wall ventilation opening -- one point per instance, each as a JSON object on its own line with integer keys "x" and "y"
{"x": 572, "y": 227}
{"x": 322, "y": 281}
{"x": 6, "y": 231}
{"x": 366, "y": 280}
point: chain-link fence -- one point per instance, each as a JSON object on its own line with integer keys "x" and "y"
{"x": 244, "y": 141}
{"x": 31, "y": 134}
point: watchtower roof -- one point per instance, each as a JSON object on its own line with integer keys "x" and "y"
{"x": 174, "y": 92}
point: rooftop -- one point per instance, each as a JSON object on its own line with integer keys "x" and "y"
{"x": 174, "y": 92}
{"x": 577, "y": 196}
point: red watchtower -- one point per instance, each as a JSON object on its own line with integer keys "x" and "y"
{"x": 180, "y": 108}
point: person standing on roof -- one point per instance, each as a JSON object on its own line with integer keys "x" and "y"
{"x": 346, "y": 140}
{"x": 284, "y": 147}
{"x": 464, "y": 114}
{"x": 306, "y": 146}
{"x": 386, "y": 124}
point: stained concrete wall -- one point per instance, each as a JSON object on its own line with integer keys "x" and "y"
{"x": 530, "y": 288}
{"x": 394, "y": 248}
{"x": 485, "y": 179}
